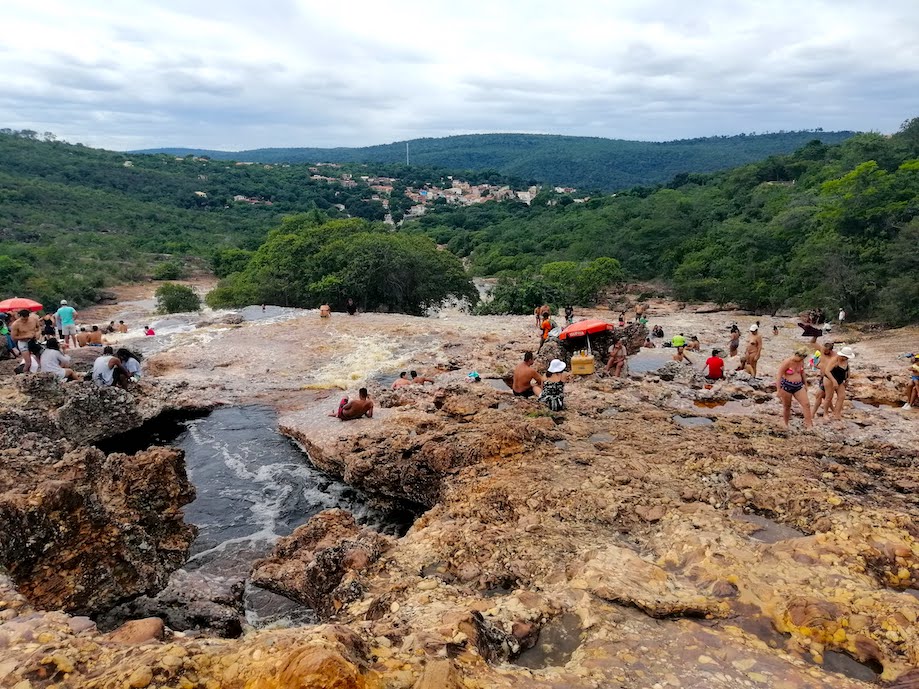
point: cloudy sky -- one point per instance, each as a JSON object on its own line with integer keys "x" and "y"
{"x": 234, "y": 74}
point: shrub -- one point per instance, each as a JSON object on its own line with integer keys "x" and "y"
{"x": 173, "y": 298}
{"x": 167, "y": 271}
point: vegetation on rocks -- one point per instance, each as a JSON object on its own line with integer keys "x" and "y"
{"x": 173, "y": 298}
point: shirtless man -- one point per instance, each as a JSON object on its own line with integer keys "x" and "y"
{"x": 539, "y": 312}
{"x": 22, "y": 330}
{"x": 826, "y": 356}
{"x": 122, "y": 328}
{"x": 325, "y": 311}
{"x": 754, "y": 348}
{"x": 95, "y": 337}
{"x": 401, "y": 381}
{"x": 82, "y": 338}
{"x": 355, "y": 409}
{"x": 420, "y": 380}
{"x": 524, "y": 375}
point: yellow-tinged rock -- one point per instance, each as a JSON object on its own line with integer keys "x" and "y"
{"x": 834, "y": 500}
{"x": 744, "y": 664}
{"x": 758, "y": 677}
{"x": 706, "y": 660}
{"x": 840, "y": 636}
{"x": 141, "y": 677}
{"x": 903, "y": 573}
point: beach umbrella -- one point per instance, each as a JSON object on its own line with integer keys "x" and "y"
{"x": 590, "y": 326}
{"x": 18, "y": 304}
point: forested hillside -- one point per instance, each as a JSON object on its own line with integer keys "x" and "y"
{"x": 74, "y": 219}
{"x": 583, "y": 162}
{"x": 826, "y": 226}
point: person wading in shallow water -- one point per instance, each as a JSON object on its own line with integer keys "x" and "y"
{"x": 791, "y": 383}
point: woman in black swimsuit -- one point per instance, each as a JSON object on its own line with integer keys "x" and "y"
{"x": 791, "y": 383}
{"x": 835, "y": 381}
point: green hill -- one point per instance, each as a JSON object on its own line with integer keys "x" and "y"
{"x": 582, "y": 162}
{"x": 826, "y": 226}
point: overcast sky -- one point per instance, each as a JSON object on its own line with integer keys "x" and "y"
{"x": 234, "y": 74}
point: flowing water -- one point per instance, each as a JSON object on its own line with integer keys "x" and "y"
{"x": 253, "y": 486}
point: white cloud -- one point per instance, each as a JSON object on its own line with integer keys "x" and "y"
{"x": 236, "y": 75}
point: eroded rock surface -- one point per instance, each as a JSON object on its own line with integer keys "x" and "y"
{"x": 83, "y": 530}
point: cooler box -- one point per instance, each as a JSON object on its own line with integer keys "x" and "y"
{"x": 582, "y": 364}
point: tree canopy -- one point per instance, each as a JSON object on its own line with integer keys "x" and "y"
{"x": 308, "y": 261}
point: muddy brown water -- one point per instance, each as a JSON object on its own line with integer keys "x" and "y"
{"x": 558, "y": 640}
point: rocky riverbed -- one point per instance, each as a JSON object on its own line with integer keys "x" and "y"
{"x": 610, "y": 545}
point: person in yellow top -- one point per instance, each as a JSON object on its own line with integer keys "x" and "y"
{"x": 912, "y": 388}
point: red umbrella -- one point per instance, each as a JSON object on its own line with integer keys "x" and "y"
{"x": 582, "y": 328}
{"x": 18, "y": 304}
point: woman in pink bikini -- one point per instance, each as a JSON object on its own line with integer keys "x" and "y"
{"x": 791, "y": 383}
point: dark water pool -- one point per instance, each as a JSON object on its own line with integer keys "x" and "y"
{"x": 253, "y": 486}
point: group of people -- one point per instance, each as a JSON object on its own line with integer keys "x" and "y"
{"x": 833, "y": 375}
{"x": 42, "y": 343}
{"x": 325, "y": 311}
{"x": 548, "y": 389}
{"x": 409, "y": 378}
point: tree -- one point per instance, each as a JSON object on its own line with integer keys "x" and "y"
{"x": 173, "y": 298}
{"x": 167, "y": 271}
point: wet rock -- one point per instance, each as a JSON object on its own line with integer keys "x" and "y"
{"x": 57, "y": 516}
{"x": 321, "y": 562}
{"x": 190, "y": 602}
{"x": 139, "y": 631}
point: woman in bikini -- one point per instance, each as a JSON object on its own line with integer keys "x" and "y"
{"x": 617, "y": 357}
{"x": 835, "y": 381}
{"x": 792, "y": 384}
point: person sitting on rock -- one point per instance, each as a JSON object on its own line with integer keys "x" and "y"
{"x": 108, "y": 370}
{"x": 714, "y": 366}
{"x": 122, "y": 328}
{"x": 355, "y": 409}
{"x": 82, "y": 338}
{"x": 694, "y": 344}
{"x": 617, "y": 357}
{"x": 110, "y": 328}
{"x": 130, "y": 362}
{"x": 401, "y": 381}
{"x": 53, "y": 361}
{"x": 553, "y": 389}
{"x": 420, "y": 380}
{"x": 95, "y": 337}
{"x": 681, "y": 357}
{"x": 524, "y": 375}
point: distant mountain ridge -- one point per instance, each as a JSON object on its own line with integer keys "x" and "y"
{"x": 582, "y": 162}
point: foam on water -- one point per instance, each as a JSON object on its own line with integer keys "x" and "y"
{"x": 363, "y": 358}
{"x": 253, "y": 486}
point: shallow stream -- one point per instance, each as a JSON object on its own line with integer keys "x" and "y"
{"x": 253, "y": 486}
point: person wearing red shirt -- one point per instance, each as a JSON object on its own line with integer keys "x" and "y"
{"x": 714, "y": 366}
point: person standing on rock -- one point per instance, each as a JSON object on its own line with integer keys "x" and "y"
{"x": 754, "y": 348}
{"x": 791, "y": 383}
{"x": 546, "y": 329}
{"x": 569, "y": 314}
{"x": 836, "y": 382}
{"x": 524, "y": 375}
{"x": 67, "y": 315}
{"x": 912, "y": 387}
{"x": 355, "y": 409}
{"x": 23, "y": 331}
{"x": 734, "y": 343}
{"x": 826, "y": 356}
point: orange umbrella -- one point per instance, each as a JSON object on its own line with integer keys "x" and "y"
{"x": 18, "y": 304}
{"x": 582, "y": 328}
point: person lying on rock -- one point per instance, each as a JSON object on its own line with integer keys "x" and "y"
{"x": 524, "y": 375}
{"x": 355, "y": 409}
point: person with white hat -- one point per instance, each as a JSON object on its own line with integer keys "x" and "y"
{"x": 553, "y": 387}
{"x": 754, "y": 348}
{"x": 835, "y": 380}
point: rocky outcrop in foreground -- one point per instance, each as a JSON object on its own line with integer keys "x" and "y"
{"x": 83, "y": 530}
{"x": 606, "y": 546}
